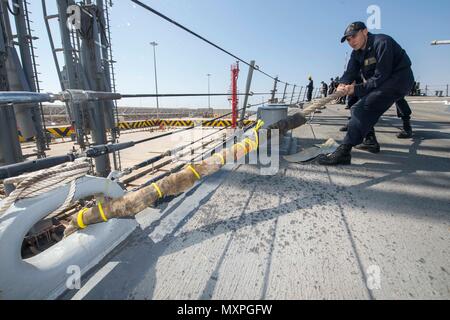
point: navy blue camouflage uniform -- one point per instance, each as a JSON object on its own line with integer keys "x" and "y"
{"x": 386, "y": 68}
{"x": 310, "y": 88}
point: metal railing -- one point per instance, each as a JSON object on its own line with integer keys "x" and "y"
{"x": 438, "y": 90}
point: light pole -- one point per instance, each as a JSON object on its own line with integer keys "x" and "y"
{"x": 154, "y": 44}
{"x": 440, "y": 42}
{"x": 209, "y": 97}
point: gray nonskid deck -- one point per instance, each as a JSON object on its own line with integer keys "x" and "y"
{"x": 379, "y": 229}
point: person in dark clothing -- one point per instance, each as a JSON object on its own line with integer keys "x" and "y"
{"x": 413, "y": 90}
{"x": 331, "y": 86}
{"x": 386, "y": 71}
{"x": 351, "y": 101}
{"x": 324, "y": 89}
{"x": 343, "y": 99}
{"x": 310, "y": 88}
{"x": 404, "y": 112}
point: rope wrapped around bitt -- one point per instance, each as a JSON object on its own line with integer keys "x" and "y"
{"x": 134, "y": 202}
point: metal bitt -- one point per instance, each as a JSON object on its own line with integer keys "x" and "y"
{"x": 45, "y": 275}
{"x": 247, "y": 92}
{"x": 272, "y": 114}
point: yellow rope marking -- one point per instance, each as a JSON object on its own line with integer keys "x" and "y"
{"x": 222, "y": 159}
{"x": 242, "y": 146}
{"x": 247, "y": 149}
{"x": 259, "y": 125}
{"x": 102, "y": 213}
{"x": 157, "y": 190}
{"x": 194, "y": 172}
{"x": 80, "y": 222}
{"x": 255, "y": 131}
{"x": 250, "y": 143}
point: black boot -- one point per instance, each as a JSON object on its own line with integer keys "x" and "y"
{"x": 344, "y": 128}
{"x": 406, "y": 132}
{"x": 370, "y": 143}
{"x": 342, "y": 155}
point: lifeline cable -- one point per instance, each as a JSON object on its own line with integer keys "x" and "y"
{"x": 204, "y": 39}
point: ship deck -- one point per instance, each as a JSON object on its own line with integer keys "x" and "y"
{"x": 378, "y": 229}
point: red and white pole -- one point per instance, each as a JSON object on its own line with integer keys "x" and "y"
{"x": 234, "y": 99}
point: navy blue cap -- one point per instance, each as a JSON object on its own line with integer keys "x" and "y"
{"x": 353, "y": 29}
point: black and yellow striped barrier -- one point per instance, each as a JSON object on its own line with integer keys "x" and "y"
{"x": 177, "y": 123}
{"x": 54, "y": 132}
{"x": 68, "y": 131}
{"x": 61, "y": 132}
{"x": 127, "y": 125}
{"x": 223, "y": 123}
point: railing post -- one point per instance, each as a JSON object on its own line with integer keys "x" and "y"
{"x": 293, "y": 92}
{"x": 284, "y": 93}
{"x": 300, "y": 94}
{"x": 274, "y": 89}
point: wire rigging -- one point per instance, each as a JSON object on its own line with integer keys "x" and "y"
{"x": 204, "y": 39}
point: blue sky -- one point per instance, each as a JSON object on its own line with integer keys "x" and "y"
{"x": 288, "y": 38}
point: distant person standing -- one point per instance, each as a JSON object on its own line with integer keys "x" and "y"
{"x": 324, "y": 89}
{"x": 310, "y": 88}
{"x": 331, "y": 86}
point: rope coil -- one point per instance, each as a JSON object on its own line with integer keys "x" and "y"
{"x": 44, "y": 181}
